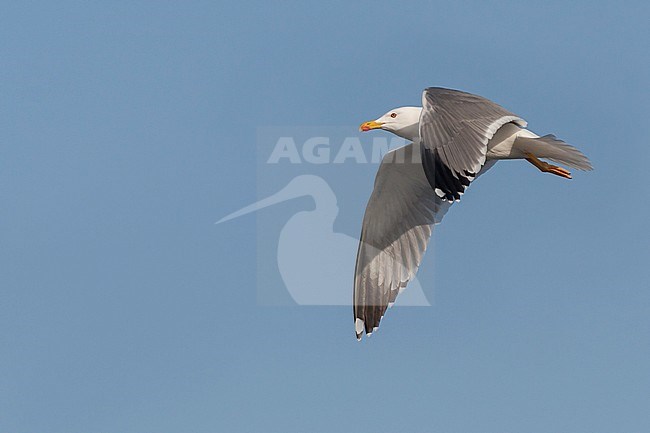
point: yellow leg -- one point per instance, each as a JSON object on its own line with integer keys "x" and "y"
{"x": 545, "y": 167}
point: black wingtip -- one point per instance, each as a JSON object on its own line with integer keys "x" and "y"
{"x": 447, "y": 184}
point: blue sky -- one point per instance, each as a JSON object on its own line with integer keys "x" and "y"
{"x": 127, "y": 129}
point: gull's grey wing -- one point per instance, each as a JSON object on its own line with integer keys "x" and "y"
{"x": 396, "y": 228}
{"x": 397, "y": 225}
{"x": 455, "y": 128}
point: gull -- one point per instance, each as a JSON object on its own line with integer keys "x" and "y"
{"x": 456, "y": 136}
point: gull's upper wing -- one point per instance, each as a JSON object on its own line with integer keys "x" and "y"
{"x": 455, "y": 128}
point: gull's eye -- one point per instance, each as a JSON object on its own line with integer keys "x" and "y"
{"x": 393, "y": 115}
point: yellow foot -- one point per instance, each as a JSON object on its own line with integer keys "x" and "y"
{"x": 545, "y": 167}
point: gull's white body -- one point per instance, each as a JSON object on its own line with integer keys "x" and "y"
{"x": 504, "y": 144}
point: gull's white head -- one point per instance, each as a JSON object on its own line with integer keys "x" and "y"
{"x": 402, "y": 121}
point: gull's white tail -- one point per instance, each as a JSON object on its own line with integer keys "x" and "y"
{"x": 552, "y": 148}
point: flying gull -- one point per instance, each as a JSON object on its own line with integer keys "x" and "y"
{"x": 456, "y": 137}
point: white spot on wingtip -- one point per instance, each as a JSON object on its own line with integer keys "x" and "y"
{"x": 358, "y": 327}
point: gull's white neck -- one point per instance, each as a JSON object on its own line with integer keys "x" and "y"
{"x": 406, "y": 124}
{"x": 410, "y": 132}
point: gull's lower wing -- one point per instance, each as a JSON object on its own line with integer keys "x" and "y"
{"x": 397, "y": 225}
{"x": 396, "y": 229}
